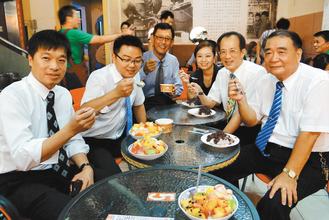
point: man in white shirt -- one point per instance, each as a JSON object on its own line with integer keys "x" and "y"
{"x": 293, "y": 145}
{"x": 29, "y": 152}
{"x": 107, "y": 91}
{"x": 231, "y": 46}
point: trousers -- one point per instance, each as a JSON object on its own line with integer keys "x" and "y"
{"x": 250, "y": 161}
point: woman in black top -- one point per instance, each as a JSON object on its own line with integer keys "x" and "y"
{"x": 205, "y": 75}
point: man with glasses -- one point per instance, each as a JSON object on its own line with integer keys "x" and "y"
{"x": 160, "y": 67}
{"x": 113, "y": 92}
{"x": 231, "y": 47}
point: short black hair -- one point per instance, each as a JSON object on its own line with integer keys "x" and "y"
{"x": 65, "y": 11}
{"x": 165, "y": 14}
{"x": 323, "y": 34}
{"x": 257, "y": 14}
{"x": 283, "y": 23}
{"x": 124, "y": 23}
{"x": 265, "y": 13}
{"x": 242, "y": 40}
{"x": 164, "y": 26}
{"x": 321, "y": 61}
{"x": 48, "y": 39}
{"x": 205, "y": 43}
{"x": 127, "y": 40}
{"x": 296, "y": 40}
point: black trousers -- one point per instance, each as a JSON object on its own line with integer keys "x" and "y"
{"x": 251, "y": 161}
{"x": 247, "y": 135}
{"x": 102, "y": 153}
{"x": 158, "y": 100}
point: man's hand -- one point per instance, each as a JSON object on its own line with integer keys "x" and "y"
{"x": 150, "y": 66}
{"x": 86, "y": 176}
{"x": 83, "y": 120}
{"x": 125, "y": 87}
{"x": 235, "y": 90}
{"x": 129, "y": 31}
{"x": 288, "y": 187}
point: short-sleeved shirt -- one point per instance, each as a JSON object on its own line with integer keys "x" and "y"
{"x": 304, "y": 107}
{"x": 198, "y": 74}
{"x": 77, "y": 39}
{"x": 248, "y": 74}
{"x": 111, "y": 121}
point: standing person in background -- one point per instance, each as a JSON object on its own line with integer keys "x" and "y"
{"x": 265, "y": 22}
{"x": 257, "y": 24}
{"x": 281, "y": 24}
{"x": 160, "y": 67}
{"x": 321, "y": 42}
{"x": 70, "y": 20}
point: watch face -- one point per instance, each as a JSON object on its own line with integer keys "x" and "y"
{"x": 292, "y": 174}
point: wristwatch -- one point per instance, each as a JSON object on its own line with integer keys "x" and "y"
{"x": 292, "y": 174}
{"x": 83, "y": 166}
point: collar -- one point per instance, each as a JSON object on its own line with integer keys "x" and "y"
{"x": 238, "y": 71}
{"x": 115, "y": 73}
{"x": 290, "y": 81}
{"x": 157, "y": 59}
{"x": 38, "y": 86}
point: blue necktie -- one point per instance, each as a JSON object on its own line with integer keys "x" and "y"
{"x": 129, "y": 114}
{"x": 267, "y": 130}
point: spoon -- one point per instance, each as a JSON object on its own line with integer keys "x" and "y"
{"x": 140, "y": 84}
{"x": 197, "y": 181}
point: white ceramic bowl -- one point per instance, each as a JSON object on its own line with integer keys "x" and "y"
{"x": 148, "y": 157}
{"x": 141, "y": 137}
{"x": 187, "y": 194}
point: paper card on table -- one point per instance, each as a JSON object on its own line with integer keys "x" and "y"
{"x": 132, "y": 217}
{"x": 161, "y": 196}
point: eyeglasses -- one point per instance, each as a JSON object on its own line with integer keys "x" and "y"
{"x": 129, "y": 61}
{"x": 231, "y": 52}
{"x": 165, "y": 39}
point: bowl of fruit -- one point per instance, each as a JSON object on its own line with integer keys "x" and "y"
{"x": 148, "y": 148}
{"x": 208, "y": 202}
{"x": 143, "y": 129}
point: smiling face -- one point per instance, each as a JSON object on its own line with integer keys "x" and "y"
{"x": 205, "y": 59}
{"x": 320, "y": 45}
{"x": 48, "y": 66}
{"x": 162, "y": 42}
{"x": 230, "y": 53}
{"x": 281, "y": 57}
{"x": 128, "y": 60}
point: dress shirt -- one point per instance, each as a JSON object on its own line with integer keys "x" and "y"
{"x": 170, "y": 71}
{"x": 248, "y": 74}
{"x": 111, "y": 121}
{"x": 304, "y": 107}
{"x": 23, "y": 125}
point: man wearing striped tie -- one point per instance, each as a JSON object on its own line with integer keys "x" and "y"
{"x": 292, "y": 146}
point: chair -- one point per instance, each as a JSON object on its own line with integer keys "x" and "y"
{"x": 7, "y": 210}
{"x": 77, "y": 96}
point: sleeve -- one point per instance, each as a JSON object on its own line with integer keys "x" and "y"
{"x": 214, "y": 92}
{"x": 15, "y": 127}
{"x": 94, "y": 89}
{"x": 140, "y": 98}
{"x": 315, "y": 117}
{"x": 80, "y": 36}
{"x": 177, "y": 81}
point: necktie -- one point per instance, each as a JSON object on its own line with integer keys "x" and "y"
{"x": 267, "y": 130}
{"x": 129, "y": 115}
{"x": 159, "y": 79}
{"x": 62, "y": 167}
{"x": 231, "y": 103}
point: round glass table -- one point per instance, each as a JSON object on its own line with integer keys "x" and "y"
{"x": 127, "y": 193}
{"x": 178, "y": 113}
{"x": 185, "y": 149}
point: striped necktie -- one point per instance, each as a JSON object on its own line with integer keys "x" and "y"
{"x": 231, "y": 103}
{"x": 267, "y": 130}
{"x": 63, "y": 165}
{"x": 129, "y": 114}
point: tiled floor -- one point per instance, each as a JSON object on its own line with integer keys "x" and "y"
{"x": 314, "y": 207}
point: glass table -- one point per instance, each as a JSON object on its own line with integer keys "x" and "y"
{"x": 178, "y": 113}
{"x": 127, "y": 193}
{"x": 185, "y": 149}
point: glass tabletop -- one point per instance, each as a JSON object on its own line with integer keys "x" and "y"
{"x": 127, "y": 193}
{"x": 179, "y": 114}
{"x": 185, "y": 149}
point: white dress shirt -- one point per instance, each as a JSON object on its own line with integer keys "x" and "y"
{"x": 248, "y": 74}
{"x": 111, "y": 123}
{"x": 23, "y": 125}
{"x": 305, "y": 106}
